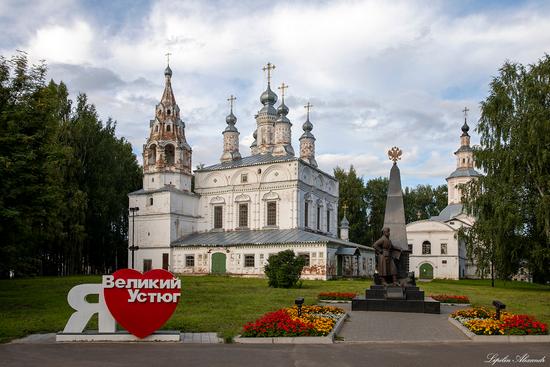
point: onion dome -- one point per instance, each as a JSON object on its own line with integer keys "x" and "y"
{"x": 465, "y": 128}
{"x": 345, "y": 222}
{"x": 307, "y": 127}
{"x": 268, "y": 97}
{"x": 168, "y": 71}
{"x": 283, "y": 109}
{"x": 231, "y": 120}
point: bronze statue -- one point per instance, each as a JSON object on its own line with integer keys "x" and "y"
{"x": 386, "y": 254}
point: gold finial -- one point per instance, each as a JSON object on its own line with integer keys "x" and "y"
{"x": 282, "y": 89}
{"x": 268, "y": 68}
{"x": 308, "y": 107}
{"x": 231, "y": 99}
{"x": 168, "y": 58}
{"x": 395, "y": 154}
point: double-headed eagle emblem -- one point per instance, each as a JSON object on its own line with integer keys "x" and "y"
{"x": 395, "y": 154}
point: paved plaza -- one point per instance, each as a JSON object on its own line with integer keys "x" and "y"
{"x": 367, "y": 339}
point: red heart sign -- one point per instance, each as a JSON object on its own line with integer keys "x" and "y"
{"x": 141, "y": 303}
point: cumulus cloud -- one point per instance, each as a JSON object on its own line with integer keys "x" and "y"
{"x": 378, "y": 73}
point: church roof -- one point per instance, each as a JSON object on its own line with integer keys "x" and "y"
{"x": 249, "y": 161}
{"x": 448, "y": 213}
{"x": 165, "y": 188}
{"x": 464, "y": 172}
{"x": 258, "y": 237}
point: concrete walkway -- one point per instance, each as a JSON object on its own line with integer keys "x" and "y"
{"x": 377, "y": 326}
{"x": 187, "y": 338}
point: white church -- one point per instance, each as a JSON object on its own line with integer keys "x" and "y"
{"x": 229, "y": 217}
{"x": 437, "y": 250}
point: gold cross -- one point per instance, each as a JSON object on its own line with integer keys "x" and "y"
{"x": 168, "y": 57}
{"x": 308, "y": 107}
{"x": 231, "y": 99}
{"x": 345, "y": 207}
{"x": 465, "y": 110}
{"x": 282, "y": 88}
{"x": 268, "y": 67}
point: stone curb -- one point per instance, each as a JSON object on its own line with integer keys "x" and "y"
{"x": 500, "y": 338}
{"x": 329, "y": 339}
{"x": 457, "y": 304}
{"x": 333, "y": 301}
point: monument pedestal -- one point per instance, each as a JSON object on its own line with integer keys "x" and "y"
{"x": 395, "y": 299}
{"x": 119, "y": 336}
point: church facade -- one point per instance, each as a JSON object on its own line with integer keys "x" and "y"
{"x": 437, "y": 250}
{"x": 229, "y": 217}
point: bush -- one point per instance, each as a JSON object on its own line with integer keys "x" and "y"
{"x": 284, "y": 269}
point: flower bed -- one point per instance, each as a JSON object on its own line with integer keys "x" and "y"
{"x": 314, "y": 321}
{"x": 448, "y": 298}
{"x": 336, "y": 296}
{"x": 481, "y": 321}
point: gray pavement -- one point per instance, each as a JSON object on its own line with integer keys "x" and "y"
{"x": 377, "y": 326}
{"x": 341, "y": 355}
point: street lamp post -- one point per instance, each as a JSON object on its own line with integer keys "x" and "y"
{"x": 133, "y": 248}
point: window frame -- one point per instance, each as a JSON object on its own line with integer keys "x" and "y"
{"x": 426, "y": 248}
{"x": 243, "y": 219}
{"x": 306, "y": 214}
{"x": 187, "y": 258}
{"x": 218, "y": 222}
{"x": 149, "y": 262}
{"x": 271, "y": 213}
{"x": 306, "y": 256}
{"x": 446, "y": 252}
{"x": 247, "y": 257}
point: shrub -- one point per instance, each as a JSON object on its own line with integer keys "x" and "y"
{"x": 284, "y": 269}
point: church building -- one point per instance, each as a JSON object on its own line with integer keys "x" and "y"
{"x": 229, "y": 217}
{"x": 437, "y": 252}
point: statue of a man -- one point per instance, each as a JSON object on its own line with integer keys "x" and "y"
{"x": 385, "y": 253}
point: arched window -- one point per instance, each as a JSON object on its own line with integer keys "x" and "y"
{"x": 168, "y": 128}
{"x": 157, "y": 129}
{"x": 426, "y": 248}
{"x": 168, "y": 112}
{"x": 170, "y": 154}
{"x": 152, "y": 154}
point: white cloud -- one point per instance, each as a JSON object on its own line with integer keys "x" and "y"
{"x": 378, "y": 73}
{"x": 68, "y": 44}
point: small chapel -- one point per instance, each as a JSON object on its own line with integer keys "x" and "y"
{"x": 436, "y": 249}
{"x": 229, "y": 217}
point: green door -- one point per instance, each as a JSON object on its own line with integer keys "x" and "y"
{"x": 218, "y": 263}
{"x": 339, "y": 265}
{"x": 426, "y": 271}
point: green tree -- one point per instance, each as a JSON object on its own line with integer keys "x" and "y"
{"x": 352, "y": 195}
{"x": 284, "y": 269}
{"x": 511, "y": 201}
{"x": 376, "y": 192}
{"x": 64, "y": 178}
{"x": 424, "y": 201}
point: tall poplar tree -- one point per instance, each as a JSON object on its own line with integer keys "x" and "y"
{"x": 511, "y": 202}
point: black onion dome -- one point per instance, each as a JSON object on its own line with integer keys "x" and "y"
{"x": 465, "y": 128}
{"x": 268, "y": 97}
{"x": 282, "y": 110}
{"x": 168, "y": 71}
{"x": 231, "y": 119}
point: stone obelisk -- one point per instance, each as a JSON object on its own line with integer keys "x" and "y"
{"x": 394, "y": 217}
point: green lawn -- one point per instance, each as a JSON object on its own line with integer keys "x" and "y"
{"x": 224, "y": 304}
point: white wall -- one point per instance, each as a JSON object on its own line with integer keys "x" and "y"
{"x": 436, "y": 233}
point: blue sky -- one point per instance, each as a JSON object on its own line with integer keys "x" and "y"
{"x": 379, "y": 73}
